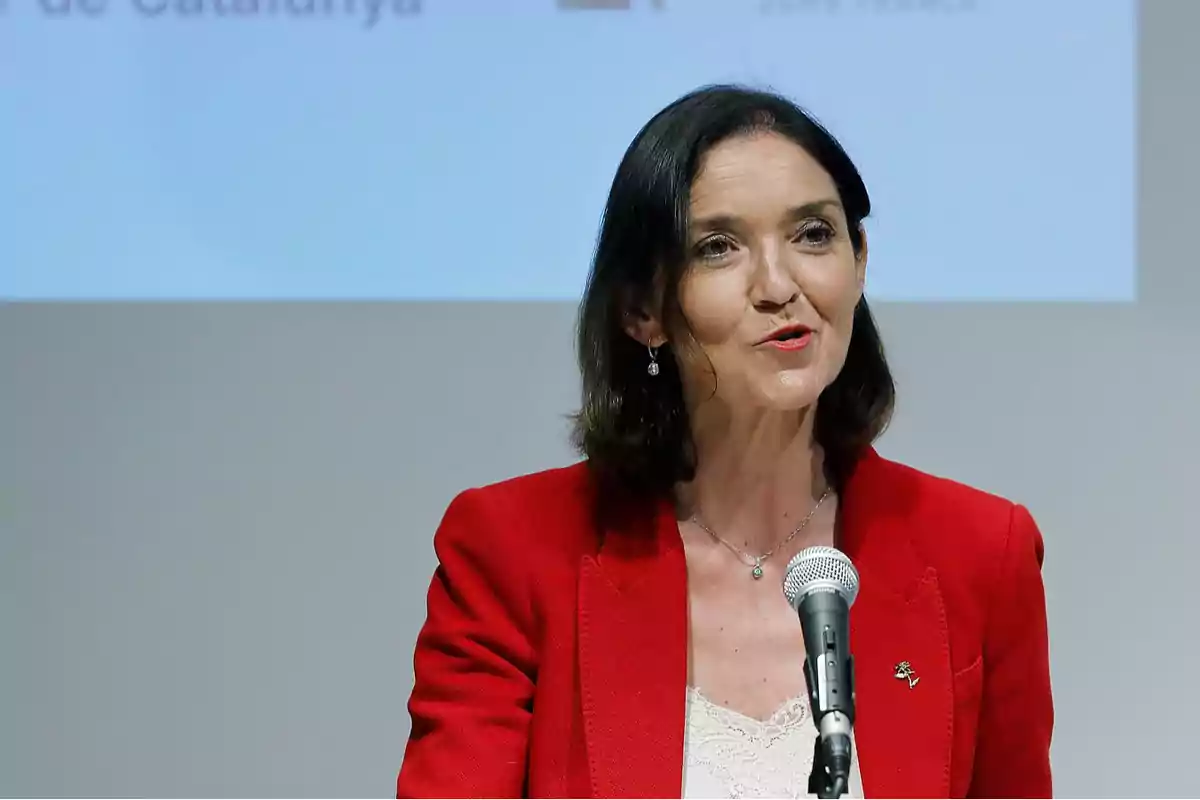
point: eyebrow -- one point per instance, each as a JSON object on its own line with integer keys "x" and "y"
{"x": 717, "y": 221}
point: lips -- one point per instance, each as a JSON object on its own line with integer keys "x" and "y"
{"x": 789, "y": 338}
{"x": 790, "y": 333}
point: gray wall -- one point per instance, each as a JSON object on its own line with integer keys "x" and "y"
{"x": 216, "y": 520}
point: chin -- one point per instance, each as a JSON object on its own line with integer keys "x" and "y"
{"x": 791, "y": 394}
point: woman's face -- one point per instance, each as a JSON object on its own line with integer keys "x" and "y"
{"x": 772, "y": 280}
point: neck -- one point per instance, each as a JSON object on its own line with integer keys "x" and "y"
{"x": 757, "y": 477}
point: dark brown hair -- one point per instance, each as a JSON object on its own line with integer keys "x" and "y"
{"x": 632, "y": 427}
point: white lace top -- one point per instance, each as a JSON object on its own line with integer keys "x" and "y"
{"x": 730, "y": 755}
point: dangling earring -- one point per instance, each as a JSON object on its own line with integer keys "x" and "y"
{"x": 652, "y": 367}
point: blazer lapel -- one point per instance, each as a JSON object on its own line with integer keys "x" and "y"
{"x": 904, "y": 717}
{"x": 633, "y": 656}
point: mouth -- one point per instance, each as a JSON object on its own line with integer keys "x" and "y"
{"x": 793, "y": 337}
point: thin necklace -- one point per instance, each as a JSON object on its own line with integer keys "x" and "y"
{"x": 755, "y": 562}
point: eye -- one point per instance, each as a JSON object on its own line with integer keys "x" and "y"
{"x": 714, "y": 248}
{"x": 815, "y": 233}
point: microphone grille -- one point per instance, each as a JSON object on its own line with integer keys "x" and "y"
{"x": 820, "y": 568}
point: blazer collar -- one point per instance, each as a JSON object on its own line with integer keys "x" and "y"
{"x": 633, "y": 644}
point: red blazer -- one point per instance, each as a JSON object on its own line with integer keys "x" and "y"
{"x": 553, "y": 662}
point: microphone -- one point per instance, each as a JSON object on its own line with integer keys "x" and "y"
{"x": 820, "y": 585}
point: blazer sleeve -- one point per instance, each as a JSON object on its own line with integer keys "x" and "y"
{"x": 474, "y": 664}
{"x": 1012, "y": 752}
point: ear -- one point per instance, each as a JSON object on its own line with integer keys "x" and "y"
{"x": 642, "y": 323}
{"x": 860, "y": 261}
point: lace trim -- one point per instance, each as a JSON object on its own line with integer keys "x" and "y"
{"x": 791, "y": 714}
{"x": 730, "y": 754}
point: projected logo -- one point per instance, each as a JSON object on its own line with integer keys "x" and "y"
{"x": 607, "y": 5}
{"x": 864, "y": 6}
{"x": 785, "y": 6}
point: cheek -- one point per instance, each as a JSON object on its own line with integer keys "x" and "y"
{"x": 835, "y": 294}
{"x": 714, "y": 306}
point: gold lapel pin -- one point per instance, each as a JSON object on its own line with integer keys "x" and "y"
{"x": 904, "y": 672}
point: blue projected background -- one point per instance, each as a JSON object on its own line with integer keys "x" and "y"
{"x": 417, "y": 149}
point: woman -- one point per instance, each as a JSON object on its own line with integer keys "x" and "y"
{"x": 617, "y": 628}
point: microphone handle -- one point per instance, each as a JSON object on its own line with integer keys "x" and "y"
{"x": 828, "y": 666}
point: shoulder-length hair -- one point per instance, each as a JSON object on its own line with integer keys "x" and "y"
{"x": 633, "y": 428}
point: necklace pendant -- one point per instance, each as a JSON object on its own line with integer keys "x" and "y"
{"x": 757, "y": 572}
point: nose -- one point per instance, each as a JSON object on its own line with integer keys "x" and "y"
{"x": 775, "y": 284}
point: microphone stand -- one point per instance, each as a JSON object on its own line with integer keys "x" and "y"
{"x": 821, "y": 780}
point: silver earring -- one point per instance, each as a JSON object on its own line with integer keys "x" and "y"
{"x": 652, "y": 367}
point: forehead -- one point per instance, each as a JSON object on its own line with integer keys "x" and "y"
{"x": 760, "y": 174}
